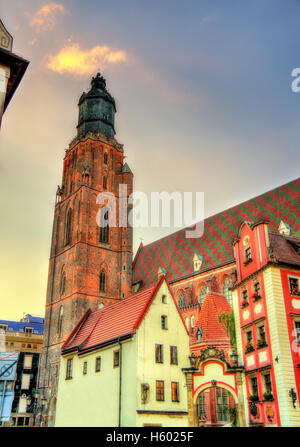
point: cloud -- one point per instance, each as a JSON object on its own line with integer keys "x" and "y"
{"x": 45, "y": 18}
{"x": 71, "y": 59}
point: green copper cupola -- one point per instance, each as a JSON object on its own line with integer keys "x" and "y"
{"x": 97, "y": 109}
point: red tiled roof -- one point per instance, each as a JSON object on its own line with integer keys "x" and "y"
{"x": 113, "y": 321}
{"x": 175, "y": 252}
{"x": 213, "y": 305}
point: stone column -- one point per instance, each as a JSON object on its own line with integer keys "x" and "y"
{"x": 240, "y": 407}
{"x": 192, "y": 416}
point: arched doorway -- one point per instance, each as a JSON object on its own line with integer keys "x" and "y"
{"x": 215, "y": 407}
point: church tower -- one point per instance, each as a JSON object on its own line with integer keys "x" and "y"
{"x": 90, "y": 265}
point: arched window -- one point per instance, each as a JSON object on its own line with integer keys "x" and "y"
{"x": 105, "y": 158}
{"x": 104, "y": 183}
{"x": 68, "y": 227}
{"x": 63, "y": 283}
{"x": 60, "y": 320}
{"x": 181, "y": 300}
{"x": 104, "y": 225}
{"x": 102, "y": 281}
{"x": 202, "y": 293}
{"x": 227, "y": 284}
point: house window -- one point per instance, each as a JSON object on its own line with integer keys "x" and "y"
{"x": 116, "y": 358}
{"x": 173, "y": 355}
{"x": 261, "y": 335}
{"x": 248, "y": 342}
{"x": 28, "y": 330}
{"x": 160, "y": 392}
{"x": 164, "y": 299}
{"x": 102, "y": 281}
{"x": 257, "y": 290}
{"x": 68, "y": 228}
{"x": 27, "y": 362}
{"x": 25, "y": 381}
{"x": 294, "y": 286}
{"x": 3, "y": 327}
{"x": 84, "y": 369}
{"x": 268, "y": 383}
{"x": 69, "y": 369}
{"x": 175, "y": 391}
{"x": 297, "y": 331}
{"x": 98, "y": 364}
{"x": 248, "y": 255}
{"x": 164, "y": 322}
{"x": 105, "y": 158}
{"x": 244, "y": 297}
{"x": 158, "y": 353}
{"x": 104, "y": 225}
{"x": 254, "y": 386}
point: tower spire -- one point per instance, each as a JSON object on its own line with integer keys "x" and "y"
{"x": 97, "y": 109}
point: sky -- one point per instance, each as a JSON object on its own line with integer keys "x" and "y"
{"x": 204, "y": 103}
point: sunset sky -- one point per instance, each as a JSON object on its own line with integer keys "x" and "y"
{"x": 204, "y": 99}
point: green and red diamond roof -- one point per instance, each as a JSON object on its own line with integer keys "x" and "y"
{"x": 175, "y": 252}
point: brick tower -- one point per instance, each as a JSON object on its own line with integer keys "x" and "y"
{"x": 90, "y": 266}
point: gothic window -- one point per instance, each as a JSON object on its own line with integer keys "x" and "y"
{"x": 181, "y": 300}
{"x": 227, "y": 284}
{"x": 104, "y": 183}
{"x": 68, "y": 227}
{"x": 202, "y": 293}
{"x": 102, "y": 281}
{"x": 104, "y": 225}
{"x": 60, "y": 320}
{"x": 63, "y": 283}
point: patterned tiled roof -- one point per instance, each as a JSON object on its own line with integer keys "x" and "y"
{"x": 175, "y": 252}
{"x": 212, "y": 330}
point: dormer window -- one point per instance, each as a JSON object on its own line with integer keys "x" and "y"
{"x": 28, "y": 330}
{"x": 3, "y": 327}
{"x": 199, "y": 334}
{"x": 248, "y": 256}
{"x": 197, "y": 262}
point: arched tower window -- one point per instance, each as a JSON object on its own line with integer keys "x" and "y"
{"x": 104, "y": 183}
{"x": 104, "y": 225}
{"x": 227, "y": 284}
{"x": 68, "y": 227}
{"x": 202, "y": 293}
{"x": 60, "y": 320}
{"x": 102, "y": 281}
{"x": 181, "y": 300}
{"x": 63, "y": 282}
